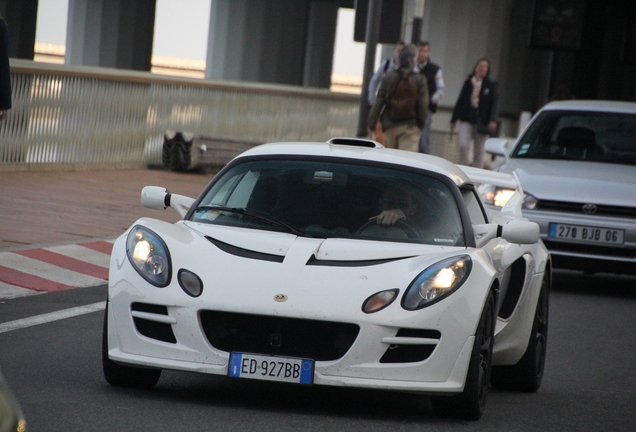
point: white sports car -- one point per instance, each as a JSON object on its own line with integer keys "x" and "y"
{"x": 339, "y": 263}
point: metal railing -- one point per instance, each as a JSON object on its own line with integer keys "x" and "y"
{"x": 69, "y": 116}
{"x": 75, "y": 116}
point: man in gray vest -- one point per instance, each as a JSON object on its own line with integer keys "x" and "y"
{"x": 435, "y": 82}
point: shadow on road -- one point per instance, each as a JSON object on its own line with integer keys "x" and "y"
{"x": 600, "y": 284}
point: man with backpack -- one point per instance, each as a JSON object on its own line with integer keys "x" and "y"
{"x": 402, "y": 102}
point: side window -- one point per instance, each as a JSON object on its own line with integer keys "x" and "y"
{"x": 475, "y": 210}
{"x": 241, "y": 194}
{"x": 236, "y": 191}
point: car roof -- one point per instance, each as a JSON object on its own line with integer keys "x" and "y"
{"x": 378, "y": 153}
{"x": 592, "y": 105}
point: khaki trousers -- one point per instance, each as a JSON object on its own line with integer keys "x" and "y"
{"x": 404, "y": 137}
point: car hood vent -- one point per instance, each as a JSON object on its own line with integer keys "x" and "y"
{"x": 245, "y": 253}
{"x": 355, "y": 142}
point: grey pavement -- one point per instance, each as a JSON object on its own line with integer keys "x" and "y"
{"x": 57, "y": 227}
{"x": 52, "y": 207}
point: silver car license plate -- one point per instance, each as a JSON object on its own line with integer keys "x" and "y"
{"x": 586, "y": 233}
{"x": 271, "y": 368}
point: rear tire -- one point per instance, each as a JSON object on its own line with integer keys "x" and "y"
{"x": 527, "y": 374}
{"x": 471, "y": 403}
{"x": 125, "y": 376}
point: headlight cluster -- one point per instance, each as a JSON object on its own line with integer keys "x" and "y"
{"x": 149, "y": 255}
{"x": 498, "y": 197}
{"x": 437, "y": 282}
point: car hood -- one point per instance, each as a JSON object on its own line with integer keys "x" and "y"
{"x": 575, "y": 181}
{"x": 332, "y": 249}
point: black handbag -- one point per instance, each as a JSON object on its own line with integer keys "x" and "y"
{"x": 484, "y": 129}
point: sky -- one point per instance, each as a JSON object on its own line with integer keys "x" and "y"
{"x": 190, "y": 39}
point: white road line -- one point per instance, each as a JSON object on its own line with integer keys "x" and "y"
{"x": 47, "y": 271}
{"x": 50, "y": 317}
{"x": 82, "y": 253}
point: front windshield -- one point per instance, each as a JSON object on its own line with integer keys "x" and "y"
{"x": 329, "y": 199}
{"x": 580, "y": 136}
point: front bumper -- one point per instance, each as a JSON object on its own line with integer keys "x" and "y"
{"x": 443, "y": 370}
{"x": 587, "y": 255}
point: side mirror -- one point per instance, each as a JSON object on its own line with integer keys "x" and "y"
{"x": 158, "y": 198}
{"x": 515, "y": 232}
{"x": 154, "y": 197}
{"x": 520, "y": 232}
{"x": 497, "y": 146}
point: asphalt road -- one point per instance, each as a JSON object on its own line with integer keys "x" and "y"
{"x": 54, "y": 369}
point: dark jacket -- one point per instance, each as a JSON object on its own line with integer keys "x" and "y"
{"x": 421, "y": 108}
{"x": 430, "y": 71}
{"x": 5, "y": 72}
{"x": 488, "y": 109}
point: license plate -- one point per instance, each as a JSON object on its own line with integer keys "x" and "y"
{"x": 271, "y": 368}
{"x": 587, "y": 233}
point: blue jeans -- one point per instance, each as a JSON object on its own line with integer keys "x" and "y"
{"x": 425, "y": 146}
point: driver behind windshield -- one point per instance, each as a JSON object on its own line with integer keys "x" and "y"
{"x": 395, "y": 204}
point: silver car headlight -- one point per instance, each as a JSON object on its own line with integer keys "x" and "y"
{"x": 149, "y": 255}
{"x": 437, "y": 282}
{"x": 497, "y": 196}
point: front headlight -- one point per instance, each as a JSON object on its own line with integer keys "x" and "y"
{"x": 497, "y": 196}
{"x": 436, "y": 282}
{"x": 529, "y": 202}
{"x": 149, "y": 255}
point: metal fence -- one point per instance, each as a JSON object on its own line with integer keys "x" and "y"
{"x": 73, "y": 116}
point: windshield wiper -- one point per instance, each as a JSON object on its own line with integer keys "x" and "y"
{"x": 263, "y": 217}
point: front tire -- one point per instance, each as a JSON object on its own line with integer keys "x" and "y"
{"x": 125, "y": 376}
{"x": 527, "y": 374}
{"x": 471, "y": 403}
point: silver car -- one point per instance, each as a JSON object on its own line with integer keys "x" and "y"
{"x": 576, "y": 161}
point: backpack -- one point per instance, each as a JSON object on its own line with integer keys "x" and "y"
{"x": 402, "y": 98}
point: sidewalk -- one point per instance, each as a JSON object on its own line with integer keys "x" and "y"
{"x": 57, "y": 228}
{"x": 41, "y": 208}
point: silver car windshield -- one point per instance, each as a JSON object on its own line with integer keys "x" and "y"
{"x": 580, "y": 136}
{"x": 329, "y": 199}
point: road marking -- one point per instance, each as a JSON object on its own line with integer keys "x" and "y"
{"x": 50, "y": 317}
{"x": 83, "y": 253}
{"x": 29, "y": 281}
{"x": 66, "y": 262}
{"x": 54, "y": 268}
{"x": 104, "y": 247}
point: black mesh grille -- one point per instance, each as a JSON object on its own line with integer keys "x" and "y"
{"x": 601, "y": 210}
{"x": 292, "y": 337}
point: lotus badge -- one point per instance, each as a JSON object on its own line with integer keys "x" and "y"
{"x": 280, "y": 298}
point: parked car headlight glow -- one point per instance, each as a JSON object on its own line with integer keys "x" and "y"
{"x": 529, "y": 202}
{"x": 497, "y": 196}
{"x": 436, "y": 282}
{"x": 149, "y": 255}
